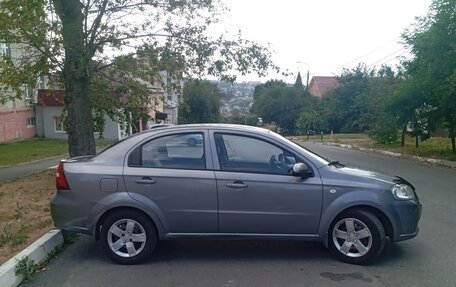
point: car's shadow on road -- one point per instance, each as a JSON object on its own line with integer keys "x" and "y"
{"x": 238, "y": 250}
{"x": 249, "y": 250}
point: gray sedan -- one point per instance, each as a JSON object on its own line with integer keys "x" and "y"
{"x": 238, "y": 182}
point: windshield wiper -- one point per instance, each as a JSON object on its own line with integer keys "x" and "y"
{"x": 336, "y": 163}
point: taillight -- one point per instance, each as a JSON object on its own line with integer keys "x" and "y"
{"x": 60, "y": 179}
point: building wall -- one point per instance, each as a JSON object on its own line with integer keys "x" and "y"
{"x": 49, "y": 129}
{"x": 171, "y": 98}
{"x": 313, "y": 90}
{"x": 39, "y": 121}
{"x": 15, "y": 112}
{"x": 172, "y": 115}
{"x": 46, "y": 115}
{"x": 13, "y": 124}
{"x": 111, "y": 130}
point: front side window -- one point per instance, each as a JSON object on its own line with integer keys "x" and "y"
{"x": 180, "y": 151}
{"x": 247, "y": 154}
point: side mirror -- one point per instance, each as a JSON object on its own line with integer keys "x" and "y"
{"x": 300, "y": 169}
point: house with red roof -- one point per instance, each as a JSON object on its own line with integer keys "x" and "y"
{"x": 320, "y": 86}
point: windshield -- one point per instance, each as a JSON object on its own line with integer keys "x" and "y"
{"x": 315, "y": 158}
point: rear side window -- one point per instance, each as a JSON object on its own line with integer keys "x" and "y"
{"x": 178, "y": 151}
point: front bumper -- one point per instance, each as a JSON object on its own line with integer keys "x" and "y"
{"x": 406, "y": 215}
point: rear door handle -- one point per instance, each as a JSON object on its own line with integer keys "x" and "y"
{"x": 237, "y": 184}
{"x": 146, "y": 180}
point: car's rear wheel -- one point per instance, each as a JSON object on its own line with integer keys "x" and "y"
{"x": 356, "y": 237}
{"x": 128, "y": 237}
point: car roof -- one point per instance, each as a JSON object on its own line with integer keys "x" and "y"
{"x": 208, "y": 126}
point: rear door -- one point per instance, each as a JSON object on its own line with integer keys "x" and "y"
{"x": 172, "y": 175}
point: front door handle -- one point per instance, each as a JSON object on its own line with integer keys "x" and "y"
{"x": 146, "y": 180}
{"x": 237, "y": 184}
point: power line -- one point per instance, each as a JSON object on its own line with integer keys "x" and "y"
{"x": 389, "y": 55}
{"x": 371, "y": 52}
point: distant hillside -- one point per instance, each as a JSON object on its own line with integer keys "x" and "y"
{"x": 237, "y": 97}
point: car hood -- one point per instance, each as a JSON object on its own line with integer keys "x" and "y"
{"x": 356, "y": 177}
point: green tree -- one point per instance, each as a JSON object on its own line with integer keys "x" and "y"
{"x": 431, "y": 73}
{"x": 274, "y": 101}
{"x": 201, "y": 103}
{"x": 311, "y": 121}
{"x": 342, "y": 108}
{"x": 298, "y": 83}
{"x": 359, "y": 103}
{"x": 77, "y": 41}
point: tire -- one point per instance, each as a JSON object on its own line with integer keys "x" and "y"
{"x": 128, "y": 237}
{"x": 365, "y": 241}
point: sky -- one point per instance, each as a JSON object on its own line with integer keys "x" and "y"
{"x": 325, "y": 36}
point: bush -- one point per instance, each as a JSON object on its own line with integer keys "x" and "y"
{"x": 385, "y": 132}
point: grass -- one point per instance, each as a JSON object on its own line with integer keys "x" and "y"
{"x": 24, "y": 211}
{"x": 439, "y": 148}
{"x": 436, "y": 147}
{"x": 30, "y": 150}
{"x": 36, "y": 149}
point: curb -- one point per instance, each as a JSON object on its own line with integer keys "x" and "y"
{"x": 37, "y": 251}
{"x": 438, "y": 162}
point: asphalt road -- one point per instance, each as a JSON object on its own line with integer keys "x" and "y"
{"x": 428, "y": 260}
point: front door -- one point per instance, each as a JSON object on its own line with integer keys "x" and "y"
{"x": 258, "y": 194}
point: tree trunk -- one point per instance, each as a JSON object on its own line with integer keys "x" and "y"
{"x": 452, "y": 135}
{"x": 453, "y": 143}
{"x": 417, "y": 142}
{"x": 79, "y": 122}
{"x": 404, "y": 130}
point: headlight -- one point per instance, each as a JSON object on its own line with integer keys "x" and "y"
{"x": 402, "y": 192}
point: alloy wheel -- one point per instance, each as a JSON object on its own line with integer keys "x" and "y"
{"x": 352, "y": 237}
{"x": 126, "y": 238}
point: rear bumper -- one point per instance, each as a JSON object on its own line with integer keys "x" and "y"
{"x": 69, "y": 213}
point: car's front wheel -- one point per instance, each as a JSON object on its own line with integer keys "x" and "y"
{"x": 128, "y": 237}
{"x": 356, "y": 236}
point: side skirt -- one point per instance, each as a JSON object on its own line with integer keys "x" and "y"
{"x": 242, "y": 236}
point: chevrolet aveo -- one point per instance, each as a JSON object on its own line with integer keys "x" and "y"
{"x": 234, "y": 182}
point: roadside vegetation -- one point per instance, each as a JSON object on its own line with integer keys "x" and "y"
{"x": 434, "y": 147}
{"x": 24, "y": 211}
{"x": 13, "y": 153}
{"x": 30, "y": 150}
